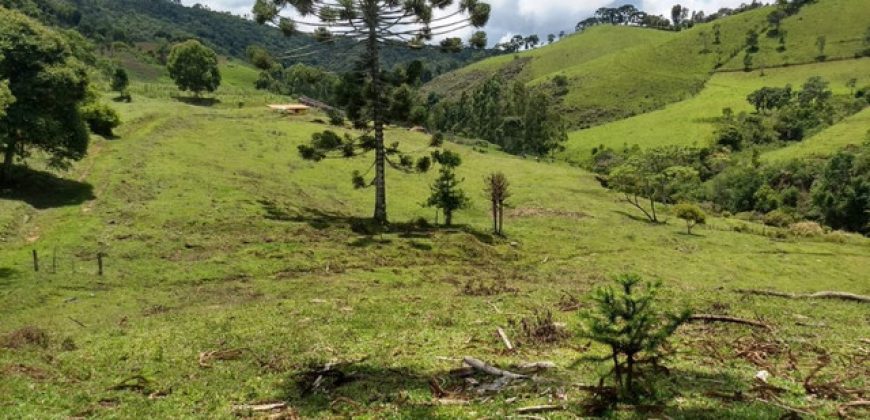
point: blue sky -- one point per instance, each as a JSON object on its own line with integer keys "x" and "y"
{"x": 526, "y": 17}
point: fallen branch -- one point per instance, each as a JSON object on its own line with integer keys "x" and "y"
{"x": 505, "y": 339}
{"x": 230, "y": 354}
{"x": 818, "y": 295}
{"x": 483, "y": 367}
{"x": 536, "y": 366}
{"x": 77, "y": 322}
{"x": 259, "y": 407}
{"x": 731, "y": 319}
{"x": 842, "y": 409}
{"x": 540, "y": 408}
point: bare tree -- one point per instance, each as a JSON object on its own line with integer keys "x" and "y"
{"x": 497, "y": 187}
{"x": 370, "y": 24}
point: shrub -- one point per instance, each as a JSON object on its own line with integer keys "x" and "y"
{"x": 778, "y": 218}
{"x": 806, "y": 229}
{"x": 627, "y": 320}
{"x": 335, "y": 117}
{"x": 101, "y": 119}
{"x": 691, "y": 213}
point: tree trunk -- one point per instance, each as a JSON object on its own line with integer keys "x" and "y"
{"x": 8, "y": 160}
{"x": 495, "y": 217}
{"x": 652, "y": 205}
{"x": 380, "y": 215}
{"x": 501, "y": 218}
{"x": 448, "y": 218}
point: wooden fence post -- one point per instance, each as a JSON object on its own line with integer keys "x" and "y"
{"x": 35, "y": 261}
{"x": 100, "y": 263}
{"x": 54, "y": 261}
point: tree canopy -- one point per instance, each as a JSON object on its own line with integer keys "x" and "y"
{"x": 194, "y": 67}
{"x": 48, "y": 85}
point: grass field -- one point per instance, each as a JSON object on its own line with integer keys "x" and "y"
{"x": 692, "y": 122}
{"x": 842, "y": 22}
{"x": 218, "y": 237}
{"x": 615, "y": 71}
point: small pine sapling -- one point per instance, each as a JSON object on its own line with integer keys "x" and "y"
{"x": 626, "y": 319}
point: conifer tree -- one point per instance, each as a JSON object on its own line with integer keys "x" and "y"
{"x": 446, "y": 194}
{"x": 370, "y": 24}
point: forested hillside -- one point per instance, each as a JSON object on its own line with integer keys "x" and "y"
{"x": 611, "y": 72}
{"x": 162, "y": 22}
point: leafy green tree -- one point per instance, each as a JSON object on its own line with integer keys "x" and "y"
{"x": 770, "y": 98}
{"x": 6, "y": 98}
{"x": 48, "y": 85}
{"x": 751, "y": 41}
{"x": 656, "y": 175}
{"x": 120, "y": 80}
{"x": 627, "y": 320}
{"x": 101, "y": 118}
{"x": 259, "y": 57}
{"x": 691, "y": 214}
{"x": 446, "y": 194}
{"x": 374, "y": 23}
{"x": 841, "y": 195}
{"x": 194, "y": 67}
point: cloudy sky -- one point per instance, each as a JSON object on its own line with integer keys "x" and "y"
{"x": 526, "y": 17}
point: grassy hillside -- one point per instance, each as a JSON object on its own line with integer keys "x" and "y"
{"x": 843, "y": 23}
{"x": 693, "y": 121}
{"x": 218, "y": 237}
{"x": 549, "y": 60}
{"x": 644, "y": 69}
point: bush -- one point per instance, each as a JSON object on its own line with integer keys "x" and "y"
{"x": 627, "y": 320}
{"x": 101, "y": 119}
{"x": 691, "y": 213}
{"x": 335, "y": 117}
{"x": 778, "y": 218}
{"x": 806, "y": 229}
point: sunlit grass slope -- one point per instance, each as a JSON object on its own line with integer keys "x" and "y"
{"x": 843, "y": 23}
{"x": 616, "y": 72}
{"x": 692, "y": 122}
{"x": 218, "y": 236}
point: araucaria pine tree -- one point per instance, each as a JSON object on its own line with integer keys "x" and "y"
{"x": 446, "y": 194}
{"x": 370, "y": 24}
{"x": 625, "y": 319}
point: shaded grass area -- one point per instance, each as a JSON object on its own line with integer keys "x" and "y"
{"x": 218, "y": 236}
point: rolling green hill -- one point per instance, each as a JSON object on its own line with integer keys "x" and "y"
{"x": 616, "y": 71}
{"x": 843, "y": 23}
{"x": 156, "y": 21}
{"x": 218, "y": 237}
{"x": 691, "y": 122}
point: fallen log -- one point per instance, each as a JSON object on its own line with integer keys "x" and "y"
{"x": 483, "y": 367}
{"x": 729, "y": 319}
{"x": 536, "y": 366}
{"x": 817, "y": 295}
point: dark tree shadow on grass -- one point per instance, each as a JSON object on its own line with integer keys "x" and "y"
{"x": 44, "y": 190}
{"x": 6, "y": 275}
{"x": 372, "y": 233}
{"x": 356, "y": 389}
{"x": 636, "y": 217}
{"x": 198, "y": 101}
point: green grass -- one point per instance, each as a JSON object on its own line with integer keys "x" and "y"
{"x": 692, "y": 122}
{"x": 853, "y": 130}
{"x": 219, "y": 236}
{"x": 616, "y": 72}
{"x": 842, "y": 22}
